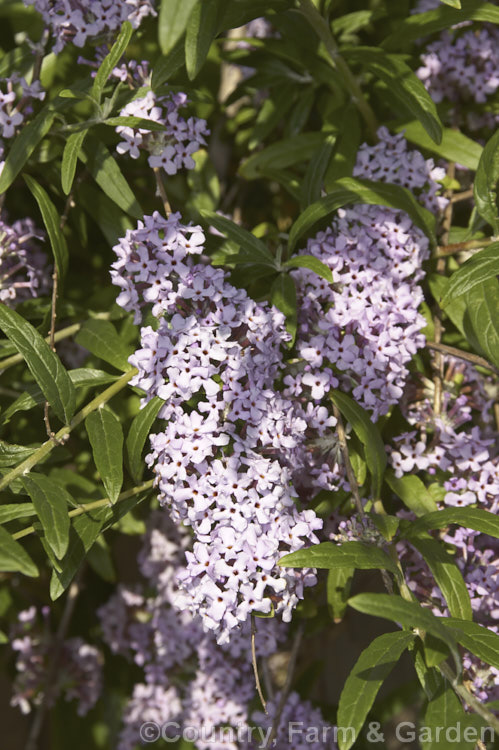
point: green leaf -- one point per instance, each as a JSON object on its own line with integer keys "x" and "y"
{"x": 281, "y": 155}
{"x": 70, "y": 158}
{"x": 252, "y": 249}
{"x": 454, "y": 146}
{"x": 13, "y": 557}
{"x": 328, "y": 556}
{"x": 452, "y": 3}
{"x": 408, "y": 614}
{"x": 445, "y": 710}
{"x": 11, "y": 455}
{"x": 202, "y": 29}
{"x": 412, "y": 492}
{"x": 485, "y": 185}
{"x": 469, "y": 518}
{"x": 173, "y": 18}
{"x": 24, "y": 145}
{"x": 44, "y": 365}
{"x": 386, "y": 525}
{"x": 316, "y": 171}
{"x": 339, "y": 581}
{"x": 364, "y": 681}
{"x": 52, "y": 221}
{"x": 107, "y": 174}
{"x": 106, "y": 438}
{"x": 351, "y": 190}
{"x": 447, "y": 575}
{"x": 312, "y": 263}
{"x": 51, "y": 505}
{"x": 481, "y": 641}
{"x": 165, "y": 67}
{"x": 111, "y": 60}
{"x": 283, "y": 296}
{"x": 368, "y": 434}
{"x": 137, "y": 436}
{"x": 83, "y": 533}
{"x": 403, "y": 84}
{"x": 134, "y": 122}
{"x": 481, "y": 318}
{"x": 425, "y": 24}
{"x": 102, "y": 340}
{"x": 480, "y": 267}
{"x": 11, "y": 511}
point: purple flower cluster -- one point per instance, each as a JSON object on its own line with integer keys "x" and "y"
{"x": 77, "y": 21}
{"x": 189, "y": 679}
{"x": 170, "y": 148}
{"x": 15, "y": 102}
{"x": 79, "y": 665}
{"x": 462, "y": 67}
{"x": 23, "y": 266}
{"x": 362, "y": 330}
{"x": 213, "y": 357}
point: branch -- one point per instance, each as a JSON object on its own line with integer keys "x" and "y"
{"x": 469, "y": 698}
{"x": 87, "y": 507}
{"x": 460, "y": 354}
{"x": 255, "y": 664}
{"x": 50, "y": 444}
{"x": 456, "y": 247}
{"x": 64, "y": 333}
{"x": 352, "y": 481}
{"x": 162, "y": 191}
{"x": 287, "y": 686}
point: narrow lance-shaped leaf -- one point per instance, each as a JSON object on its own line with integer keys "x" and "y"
{"x": 339, "y": 581}
{"x": 447, "y": 575}
{"x": 252, "y": 248}
{"x": 173, "y": 18}
{"x": 44, "y": 365}
{"x": 51, "y": 505}
{"x": 403, "y": 83}
{"x": 111, "y": 60}
{"x": 408, "y": 614}
{"x": 202, "y": 28}
{"x": 14, "y": 558}
{"x": 480, "y": 640}
{"x": 368, "y": 434}
{"x": 484, "y": 187}
{"x": 480, "y": 267}
{"x": 445, "y": 710}
{"x": 454, "y": 146}
{"x": 364, "y": 681}
{"x": 316, "y": 170}
{"x": 106, "y": 438}
{"x": 137, "y": 436}
{"x": 52, "y": 220}
{"x": 329, "y": 556}
{"x": 412, "y": 492}
{"x": 471, "y": 518}
{"x": 312, "y": 263}
{"x": 280, "y": 155}
{"x": 481, "y": 318}
{"x": 107, "y": 174}
{"x": 101, "y": 339}
{"x": 24, "y": 145}
{"x": 70, "y": 159}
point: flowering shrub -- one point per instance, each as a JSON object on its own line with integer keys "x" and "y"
{"x": 249, "y": 358}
